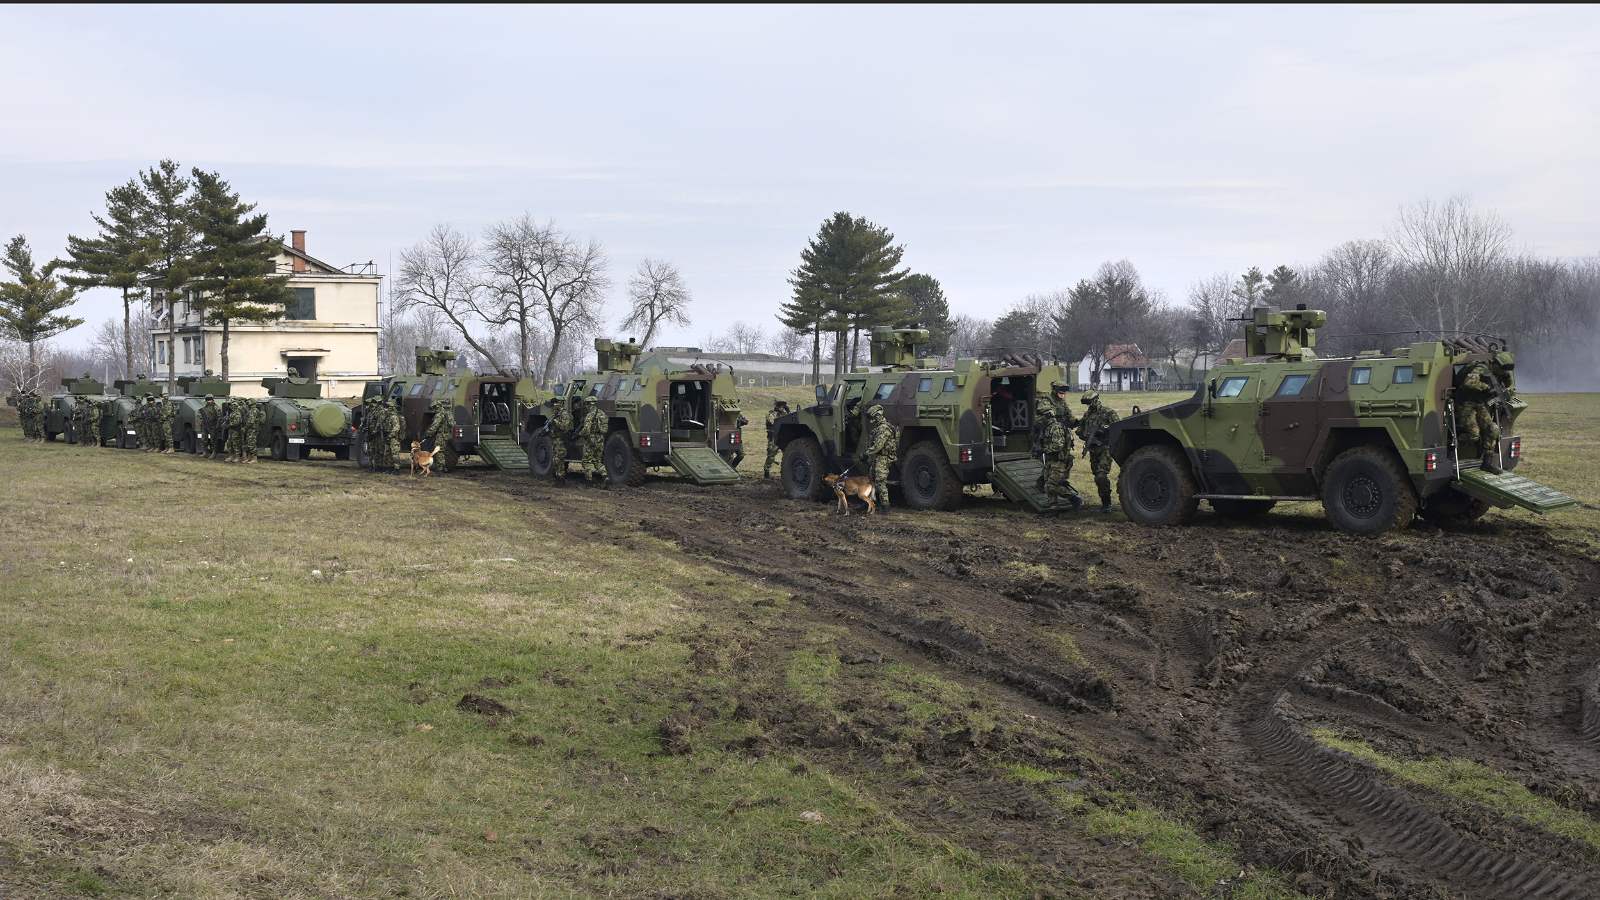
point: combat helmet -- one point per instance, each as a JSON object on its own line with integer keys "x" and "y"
{"x": 1090, "y": 398}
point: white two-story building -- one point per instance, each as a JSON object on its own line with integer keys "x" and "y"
{"x": 330, "y": 332}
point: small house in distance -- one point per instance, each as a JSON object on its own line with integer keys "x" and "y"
{"x": 1125, "y": 369}
{"x": 330, "y": 333}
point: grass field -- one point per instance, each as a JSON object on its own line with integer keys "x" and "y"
{"x": 285, "y": 681}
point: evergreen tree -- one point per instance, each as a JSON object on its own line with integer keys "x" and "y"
{"x": 233, "y": 269}
{"x": 31, "y": 306}
{"x": 1283, "y": 288}
{"x": 1018, "y": 329}
{"x": 923, "y": 305}
{"x": 850, "y": 268}
{"x": 167, "y": 224}
{"x": 1251, "y": 289}
{"x": 806, "y": 313}
{"x": 114, "y": 258}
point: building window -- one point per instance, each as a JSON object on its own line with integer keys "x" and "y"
{"x": 161, "y": 352}
{"x": 304, "y": 304}
{"x": 187, "y": 358}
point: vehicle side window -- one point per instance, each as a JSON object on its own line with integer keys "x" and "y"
{"x": 1361, "y": 375}
{"x": 950, "y": 385}
{"x": 1231, "y": 387}
{"x": 561, "y": 390}
{"x": 925, "y": 385}
{"x": 1292, "y": 385}
{"x": 884, "y": 390}
{"x": 854, "y": 389}
{"x": 416, "y": 389}
{"x": 1404, "y": 375}
{"x": 399, "y": 389}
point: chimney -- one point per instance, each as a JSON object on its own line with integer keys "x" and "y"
{"x": 297, "y": 239}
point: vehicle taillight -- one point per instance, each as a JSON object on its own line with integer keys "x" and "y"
{"x": 456, "y": 432}
{"x": 1430, "y": 461}
{"x": 1516, "y": 448}
{"x": 966, "y": 454}
{"x": 736, "y": 438}
{"x": 644, "y": 440}
{"x": 294, "y": 426}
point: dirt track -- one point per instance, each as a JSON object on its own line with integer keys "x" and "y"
{"x": 1205, "y": 657}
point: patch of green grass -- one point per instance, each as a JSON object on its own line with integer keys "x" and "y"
{"x": 1472, "y": 782}
{"x": 1031, "y": 774}
{"x": 1030, "y": 571}
{"x": 811, "y": 674}
{"x": 1070, "y": 651}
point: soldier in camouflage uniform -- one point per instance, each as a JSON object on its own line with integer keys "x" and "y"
{"x": 82, "y": 414}
{"x": 1092, "y": 428}
{"x": 882, "y": 447}
{"x": 252, "y": 430}
{"x": 592, "y": 437}
{"x": 234, "y": 422}
{"x": 211, "y": 425}
{"x": 1476, "y": 428}
{"x": 368, "y": 432}
{"x": 1055, "y": 445}
{"x": 391, "y": 436}
{"x": 164, "y": 416}
{"x": 560, "y": 425}
{"x": 438, "y": 431}
{"x": 780, "y": 408}
{"x": 141, "y": 423}
{"x": 28, "y": 414}
{"x": 718, "y": 408}
{"x": 96, "y": 413}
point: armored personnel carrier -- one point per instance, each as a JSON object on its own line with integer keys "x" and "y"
{"x": 188, "y": 429}
{"x": 1373, "y": 437}
{"x": 296, "y": 419}
{"x": 117, "y": 427}
{"x": 487, "y": 409}
{"x": 969, "y": 424}
{"x": 661, "y": 412}
{"x": 58, "y": 410}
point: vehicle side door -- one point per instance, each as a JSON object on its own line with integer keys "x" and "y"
{"x": 1229, "y": 454}
{"x": 1291, "y": 409}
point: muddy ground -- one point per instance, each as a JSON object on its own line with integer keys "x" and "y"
{"x": 1179, "y": 669}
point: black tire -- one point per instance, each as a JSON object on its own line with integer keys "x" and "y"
{"x": 1365, "y": 491}
{"x": 1451, "y": 508}
{"x": 926, "y": 479}
{"x": 362, "y": 454}
{"x": 190, "y": 443}
{"x": 1243, "y": 509}
{"x": 1156, "y": 487}
{"x": 280, "y": 445}
{"x": 71, "y": 434}
{"x": 803, "y": 469}
{"x": 541, "y": 454}
{"x": 450, "y": 457}
{"x": 623, "y": 465}
{"x": 51, "y": 436}
{"x": 341, "y": 452}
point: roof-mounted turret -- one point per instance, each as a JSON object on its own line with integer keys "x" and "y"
{"x": 83, "y": 385}
{"x": 617, "y": 356}
{"x": 1290, "y": 334}
{"x": 293, "y": 387}
{"x": 896, "y": 348}
{"x": 201, "y": 385}
{"x": 434, "y": 362}
{"x": 137, "y": 387}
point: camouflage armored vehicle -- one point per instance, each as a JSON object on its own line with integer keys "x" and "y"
{"x": 488, "y": 409}
{"x": 58, "y": 410}
{"x": 188, "y": 429}
{"x": 661, "y": 412}
{"x": 965, "y": 425}
{"x": 295, "y": 419}
{"x": 117, "y": 426}
{"x": 1373, "y": 437}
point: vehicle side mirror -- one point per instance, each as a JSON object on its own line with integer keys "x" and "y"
{"x": 822, "y": 393}
{"x": 1211, "y": 388}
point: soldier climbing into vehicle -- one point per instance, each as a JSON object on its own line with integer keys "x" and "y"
{"x": 721, "y": 407}
{"x": 1055, "y": 449}
{"x": 592, "y": 435}
{"x": 1093, "y": 428}
{"x": 780, "y": 408}
{"x": 882, "y": 449}
{"x": 1477, "y": 429}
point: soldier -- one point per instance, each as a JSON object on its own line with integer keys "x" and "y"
{"x": 1055, "y": 445}
{"x": 780, "y": 408}
{"x": 592, "y": 438}
{"x": 392, "y": 427}
{"x": 439, "y": 428}
{"x": 211, "y": 426}
{"x": 234, "y": 422}
{"x": 1058, "y": 396}
{"x": 560, "y": 426}
{"x": 1476, "y": 426}
{"x": 367, "y": 431}
{"x": 137, "y": 418}
{"x": 252, "y": 430}
{"x": 164, "y": 416}
{"x": 1092, "y": 428}
{"x": 882, "y": 450}
{"x": 739, "y": 422}
{"x": 80, "y": 420}
{"x": 91, "y": 425}
{"x": 26, "y": 401}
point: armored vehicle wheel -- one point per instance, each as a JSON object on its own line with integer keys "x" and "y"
{"x": 280, "y": 445}
{"x": 50, "y": 435}
{"x": 803, "y": 470}
{"x": 450, "y": 457}
{"x": 1451, "y": 508}
{"x": 362, "y": 453}
{"x": 71, "y": 434}
{"x": 926, "y": 479}
{"x": 341, "y": 453}
{"x": 1366, "y": 491}
{"x": 189, "y": 444}
{"x": 622, "y": 464}
{"x": 1157, "y": 488}
{"x": 1242, "y": 509}
{"x": 541, "y": 454}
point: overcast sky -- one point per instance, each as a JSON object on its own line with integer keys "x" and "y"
{"x": 1011, "y": 150}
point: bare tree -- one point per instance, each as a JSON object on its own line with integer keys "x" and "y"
{"x": 1453, "y": 254}
{"x": 1355, "y": 282}
{"x": 657, "y": 294}
{"x": 787, "y": 343}
{"x": 1213, "y": 307}
{"x": 1164, "y": 335}
{"x": 968, "y": 335}
{"x": 111, "y": 345}
{"x": 509, "y": 260}
{"x": 404, "y": 333}
{"x": 16, "y": 370}
{"x": 1111, "y": 308}
{"x": 439, "y": 274}
{"x": 568, "y": 282}
{"x": 744, "y": 338}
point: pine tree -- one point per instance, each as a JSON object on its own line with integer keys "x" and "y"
{"x": 1251, "y": 289}
{"x": 923, "y": 305}
{"x": 30, "y": 306}
{"x": 235, "y": 260}
{"x": 850, "y": 269}
{"x": 114, "y": 258}
{"x": 168, "y": 226}
{"x": 805, "y": 313}
{"x": 1283, "y": 288}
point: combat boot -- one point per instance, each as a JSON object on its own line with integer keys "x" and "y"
{"x": 1105, "y": 507}
{"x": 1491, "y": 463}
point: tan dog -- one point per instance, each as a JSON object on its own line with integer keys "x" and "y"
{"x": 859, "y": 486}
{"x": 422, "y": 459}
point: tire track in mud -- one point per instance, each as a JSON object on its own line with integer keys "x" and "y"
{"x": 1589, "y": 706}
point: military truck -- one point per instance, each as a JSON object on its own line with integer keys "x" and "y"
{"x": 188, "y": 428}
{"x": 969, "y": 424}
{"x": 660, "y": 413}
{"x": 487, "y": 409}
{"x": 58, "y": 410}
{"x": 295, "y": 419}
{"x": 117, "y": 426}
{"x": 1372, "y": 437}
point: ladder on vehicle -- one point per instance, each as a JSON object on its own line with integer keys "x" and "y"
{"x": 503, "y": 453}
